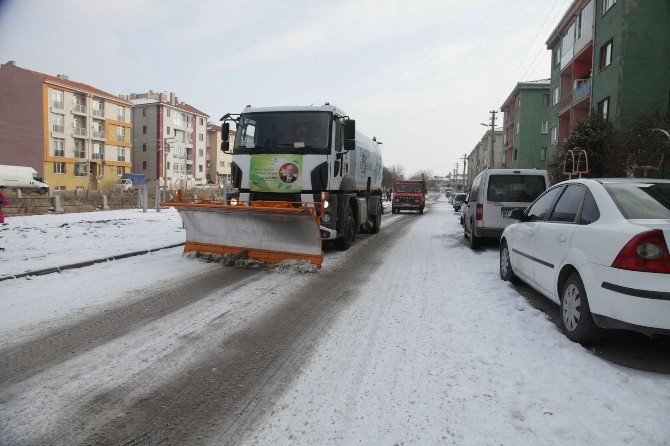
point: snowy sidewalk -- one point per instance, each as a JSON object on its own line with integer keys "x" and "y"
{"x": 46, "y": 241}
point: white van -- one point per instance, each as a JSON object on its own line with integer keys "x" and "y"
{"x": 494, "y": 194}
{"x": 24, "y": 178}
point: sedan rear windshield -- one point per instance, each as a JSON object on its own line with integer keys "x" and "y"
{"x": 641, "y": 200}
{"x": 515, "y": 188}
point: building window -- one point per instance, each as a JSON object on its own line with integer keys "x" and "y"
{"x": 57, "y": 99}
{"x": 79, "y": 149}
{"x": 556, "y": 56}
{"x": 175, "y": 168}
{"x": 604, "y": 108}
{"x": 516, "y": 151}
{"x": 222, "y": 164}
{"x": 200, "y": 152}
{"x": 517, "y": 127}
{"x": 144, "y": 129}
{"x": 144, "y": 165}
{"x": 58, "y": 147}
{"x": 59, "y": 168}
{"x": 168, "y": 130}
{"x": 80, "y": 169}
{"x": 607, "y": 4}
{"x": 57, "y": 125}
{"x": 199, "y": 167}
{"x": 120, "y": 133}
{"x": 606, "y": 55}
{"x": 120, "y": 170}
{"x": 97, "y": 151}
{"x": 144, "y": 147}
{"x": 545, "y": 126}
{"x": 556, "y": 96}
{"x": 554, "y": 135}
{"x": 168, "y": 112}
{"x": 120, "y": 154}
{"x": 201, "y": 137}
{"x": 201, "y": 121}
{"x": 543, "y": 154}
{"x": 545, "y": 100}
{"x": 144, "y": 111}
{"x": 59, "y": 188}
{"x": 518, "y": 102}
{"x": 121, "y": 114}
{"x": 101, "y": 170}
{"x": 168, "y": 165}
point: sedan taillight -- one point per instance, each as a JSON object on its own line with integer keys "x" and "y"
{"x": 646, "y": 252}
{"x": 479, "y": 212}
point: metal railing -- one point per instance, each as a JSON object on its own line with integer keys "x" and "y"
{"x": 58, "y": 128}
{"x": 97, "y": 156}
{"x": 584, "y": 89}
{"x": 59, "y": 152}
{"x": 79, "y": 108}
{"x": 98, "y": 134}
{"x": 121, "y": 118}
{"x": 58, "y": 104}
{"x": 98, "y": 112}
{"x": 121, "y": 158}
{"x": 80, "y": 154}
{"x": 80, "y": 131}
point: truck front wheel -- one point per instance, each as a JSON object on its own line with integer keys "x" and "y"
{"x": 349, "y": 232}
{"x": 377, "y": 225}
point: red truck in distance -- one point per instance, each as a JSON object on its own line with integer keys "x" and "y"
{"x": 408, "y": 195}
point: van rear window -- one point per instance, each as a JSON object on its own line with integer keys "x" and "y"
{"x": 515, "y": 188}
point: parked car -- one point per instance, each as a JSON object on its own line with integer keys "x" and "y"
{"x": 464, "y": 209}
{"x": 599, "y": 249}
{"x": 459, "y": 199}
{"x": 124, "y": 185}
{"x": 494, "y": 194}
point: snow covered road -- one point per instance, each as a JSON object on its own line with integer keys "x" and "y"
{"x": 410, "y": 337}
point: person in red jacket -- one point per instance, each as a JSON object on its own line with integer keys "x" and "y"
{"x": 3, "y": 202}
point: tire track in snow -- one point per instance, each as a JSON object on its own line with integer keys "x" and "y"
{"x": 21, "y": 361}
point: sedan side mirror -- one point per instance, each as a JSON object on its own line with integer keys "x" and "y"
{"x": 518, "y": 214}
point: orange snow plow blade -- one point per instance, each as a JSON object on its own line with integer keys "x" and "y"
{"x": 268, "y": 231}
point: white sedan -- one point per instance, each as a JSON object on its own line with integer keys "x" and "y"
{"x": 599, "y": 249}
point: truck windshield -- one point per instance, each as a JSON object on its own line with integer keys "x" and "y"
{"x": 284, "y": 132}
{"x": 515, "y": 188}
{"x": 408, "y": 188}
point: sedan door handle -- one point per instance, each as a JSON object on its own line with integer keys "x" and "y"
{"x": 531, "y": 233}
{"x": 561, "y": 238}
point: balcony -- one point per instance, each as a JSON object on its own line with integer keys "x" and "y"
{"x": 58, "y": 104}
{"x": 79, "y": 108}
{"x": 100, "y": 112}
{"x": 97, "y": 156}
{"x": 98, "y": 134}
{"x": 80, "y": 154}
{"x": 583, "y": 90}
{"x": 58, "y": 128}
{"x": 80, "y": 131}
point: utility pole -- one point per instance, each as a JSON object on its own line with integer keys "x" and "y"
{"x": 465, "y": 158}
{"x": 455, "y": 176}
{"x": 166, "y": 148}
{"x": 493, "y": 138}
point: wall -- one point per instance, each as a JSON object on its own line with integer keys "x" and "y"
{"x": 21, "y": 119}
{"x": 530, "y": 139}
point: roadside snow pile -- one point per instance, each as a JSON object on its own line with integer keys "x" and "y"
{"x": 44, "y": 241}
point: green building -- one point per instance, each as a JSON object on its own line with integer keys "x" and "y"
{"x": 526, "y": 125}
{"x": 611, "y": 57}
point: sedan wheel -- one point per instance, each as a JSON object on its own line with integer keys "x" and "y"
{"x": 506, "y": 272}
{"x": 576, "y": 320}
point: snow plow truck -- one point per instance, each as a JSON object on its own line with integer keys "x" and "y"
{"x": 301, "y": 175}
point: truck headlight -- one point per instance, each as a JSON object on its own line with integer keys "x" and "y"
{"x": 326, "y": 204}
{"x": 233, "y": 201}
{"x": 325, "y": 218}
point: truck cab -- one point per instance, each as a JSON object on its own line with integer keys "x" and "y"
{"x": 408, "y": 195}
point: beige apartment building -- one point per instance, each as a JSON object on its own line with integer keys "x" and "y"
{"x": 478, "y": 159}
{"x": 169, "y": 139}
{"x": 74, "y": 135}
{"x": 218, "y": 163}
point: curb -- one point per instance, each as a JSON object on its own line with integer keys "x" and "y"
{"x": 58, "y": 269}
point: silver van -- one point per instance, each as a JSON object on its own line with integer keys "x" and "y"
{"x": 494, "y": 194}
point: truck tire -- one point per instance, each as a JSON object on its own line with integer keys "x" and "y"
{"x": 421, "y": 210}
{"x": 348, "y": 231}
{"x": 394, "y": 210}
{"x": 377, "y": 224}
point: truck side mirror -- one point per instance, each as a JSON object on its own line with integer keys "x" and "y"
{"x": 349, "y": 134}
{"x": 225, "y": 139}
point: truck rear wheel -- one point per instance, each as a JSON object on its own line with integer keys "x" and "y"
{"x": 349, "y": 231}
{"x": 421, "y": 210}
{"x": 377, "y": 225}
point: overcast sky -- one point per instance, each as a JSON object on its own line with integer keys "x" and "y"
{"x": 419, "y": 75}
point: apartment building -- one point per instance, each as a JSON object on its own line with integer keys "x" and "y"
{"x": 526, "y": 126}
{"x": 218, "y": 163}
{"x": 169, "y": 139}
{"x": 74, "y": 135}
{"x": 611, "y": 57}
{"x": 478, "y": 159}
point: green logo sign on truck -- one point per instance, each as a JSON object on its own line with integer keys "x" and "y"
{"x": 275, "y": 173}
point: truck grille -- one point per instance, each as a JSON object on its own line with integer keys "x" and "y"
{"x": 271, "y": 196}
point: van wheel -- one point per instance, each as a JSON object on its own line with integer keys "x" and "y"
{"x": 349, "y": 232}
{"x": 576, "y": 320}
{"x": 44, "y": 190}
{"x": 377, "y": 224}
{"x": 474, "y": 240}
